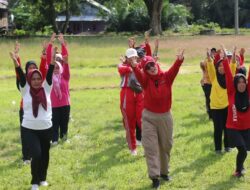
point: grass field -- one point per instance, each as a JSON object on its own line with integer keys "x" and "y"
{"x": 97, "y": 156}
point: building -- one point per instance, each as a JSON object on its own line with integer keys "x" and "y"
{"x": 3, "y": 16}
{"x": 91, "y": 18}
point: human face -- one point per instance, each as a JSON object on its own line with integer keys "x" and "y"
{"x": 31, "y": 67}
{"x": 131, "y": 59}
{"x": 36, "y": 81}
{"x": 151, "y": 68}
{"x": 221, "y": 69}
{"x": 56, "y": 69}
{"x": 241, "y": 85}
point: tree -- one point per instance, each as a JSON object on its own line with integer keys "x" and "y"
{"x": 154, "y": 8}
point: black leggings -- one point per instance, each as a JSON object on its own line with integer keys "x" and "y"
{"x": 60, "y": 119}
{"x": 25, "y": 148}
{"x": 207, "y": 91}
{"x": 219, "y": 117}
{"x": 241, "y": 157}
{"x": 39, "y": 145}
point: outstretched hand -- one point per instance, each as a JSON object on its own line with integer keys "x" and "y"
{"x": 61, "y": 39}
{"x": 180, "y": 54}
{"x": 131, "y": 42}
{"x": 14, "y": 59}
{"x": 17, "y": 48}
{"x": 52, "y": 39}
{"x": 209, "y": 55}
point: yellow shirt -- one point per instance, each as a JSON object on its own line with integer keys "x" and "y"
{"x": 218, "y": 96}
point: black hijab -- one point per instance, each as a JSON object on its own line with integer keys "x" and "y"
{"x": 220, "y": 77}
{"x": 241, "y": 98}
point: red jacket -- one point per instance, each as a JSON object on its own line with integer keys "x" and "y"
{"x": 158, "y": 97}
{"x": 235, "y": 119}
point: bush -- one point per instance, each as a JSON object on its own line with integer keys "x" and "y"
{"x": 20, "y": 32}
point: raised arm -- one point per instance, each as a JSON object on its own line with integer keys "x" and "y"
{"x": 18, "y": 69}
{"x": 147, "y": 45}
{"x": 49, "y": 48}
{"x": 51, "y": 68}
{"x": 174, "y": 69}
{"x": 210, "y": 66}
{"x": 140, "y": 75}
{"x": 43, "y": 63}
{"x": 63, "y": 45}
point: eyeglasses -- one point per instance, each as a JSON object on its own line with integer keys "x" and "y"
{"x": 149, "y": 65}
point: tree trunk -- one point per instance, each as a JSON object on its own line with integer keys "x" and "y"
{"x": 66, "y": 24}
{"x": 154, "y": 8}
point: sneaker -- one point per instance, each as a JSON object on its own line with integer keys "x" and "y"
{"x": 138, "y": 143}
{"x": 243, "y": 171}
{"x": 54, "y": 143}
{"x": 34, "y": 187}
{"x": 26, "y": 162}
{"x": 228, "y": 149}
{"x": 166, "y": 177}
{"x": 44, "y": 183}
{"x": 64, "y": 138}
{"x": 133, "y": 152}
{"x": 156, "y": 183}
{"x": 237, "y": 174}
{"x": 218, "y": 152}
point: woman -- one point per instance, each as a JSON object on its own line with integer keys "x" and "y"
{"x": 36, "y": 124}
{"x": 60, "y": 97}
{"x": 29, "y": 66}
{"x": 131, "y": 100}
{"x": 218, "y": 102}
{"x": 238, "y": 120}
{"x": 157, "y": 123}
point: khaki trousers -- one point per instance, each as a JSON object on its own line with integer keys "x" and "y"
{"x": 157, "y": 140}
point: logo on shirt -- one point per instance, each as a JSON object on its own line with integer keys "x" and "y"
{"x": 234, "y": 112}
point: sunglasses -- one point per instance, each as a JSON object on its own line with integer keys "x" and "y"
{"x": 149, "y": 65}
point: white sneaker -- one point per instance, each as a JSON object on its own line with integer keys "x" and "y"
{"x": 138, "y": 143}
{"x": 44, "y": 183}
{"x": 133, "y": 152}
{"x": 26, "y": 162}
{"x": 34, "y": 187}
{"x": 54, "y": 143}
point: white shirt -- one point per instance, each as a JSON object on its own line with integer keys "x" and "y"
{"x": 43, "y": 119}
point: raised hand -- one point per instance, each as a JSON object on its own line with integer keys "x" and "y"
{"x": 242, "y": 51}
{"x": 14, "y": 59}
{"x": 122, "y": 59}
{"x": 180, "y": 54}
{"x": 147, "y": 35}
{"x": 17, "y": 48}
{"x": 52, "y": 39}
{"x": 61, "y": 39}
{"x": 209, "y": 55}
{"x": 131, "y": 42}
{"x": 224, "y": 52}
{"x": 54, "y": 55}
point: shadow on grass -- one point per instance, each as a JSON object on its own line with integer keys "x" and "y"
{"x": 230, "y": 183}
{"x": 102, "y": 160}
{"x": 195, "y": 119}
{"x": 199, "y": 165}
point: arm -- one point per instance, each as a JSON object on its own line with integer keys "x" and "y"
{"x": 63, "y": 45}
{"x": 156, "y": 48}
{"x": 51, "y": 68}
{"x": 140, "y": 75}
{"x": 242, "y": 52}
{"x": 124, "y": 69}
{"x": 49, "y": 48}
{"x": 229, "y": 76}
{"x": 172, "y": 72}
{"x": 18, "y": 69}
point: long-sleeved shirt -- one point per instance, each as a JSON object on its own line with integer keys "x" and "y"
{"x": 218, "y": 96}
{"x": 158, "y": 99}
{"x": 235, "y": 119}
{"x": 43, "y": 119}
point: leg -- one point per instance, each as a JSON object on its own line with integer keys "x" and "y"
{"x": 241, "y": 157}
{"x": 55, "y": 123}
{"x": 32, "y": 139}
{"x": 45, "y": 147}
{"x": 25, "y": 148}
{"x": 139, "y": 108}
{"x": 223, "y": 124}
{"x": 151, "y": 146}
{"x": 217, "y": 129}
{"x": 165, "y": 133}
{"x": 207, "y": 91}
{"x": 64, "y": 121}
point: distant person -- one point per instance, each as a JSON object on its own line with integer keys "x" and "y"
{"x": 36, "y": 124}
{"x": 218, "y": 101}
{"x": 238, "y": 120}
{"x": 60, "y": 97}
{"x": 131, "y": 99}
{"x": 157, "y": 122}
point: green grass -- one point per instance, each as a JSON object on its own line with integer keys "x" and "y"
{"x": 97, "y": 156}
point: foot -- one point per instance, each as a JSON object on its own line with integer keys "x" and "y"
{"x": 138, "y": 143}
{"x": 65, "y": 137}
{"x": 156, "y": 183}
{"x": 238, "y": 174}
{"x": 54, "y": 143}
{"x": 166, "y": 177}
{"x": 243, "y": 171}
{"x": 218, "y": 152}
{"x": 26, "y": 162}
{"x": 34, "y": 187}
{"x": 44, "y": 183}
{"x": 228, "y": 149}
{"x": 133, "y": 152}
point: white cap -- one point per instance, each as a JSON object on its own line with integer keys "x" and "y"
{"x": 58, "y": 55}
{"x": 131, "y": 52}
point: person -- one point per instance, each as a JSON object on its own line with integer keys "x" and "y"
{"x": 206, "y": 83}
{"x": 238, "y": 120}
{"x": 131, "y": 100}
{"x": 157, "y": 122}
{"x": 60, "y": 97}
{"x": 29, "y": 66}
{"x": 219, "y": 101}
{"x": 36, "y": 124}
